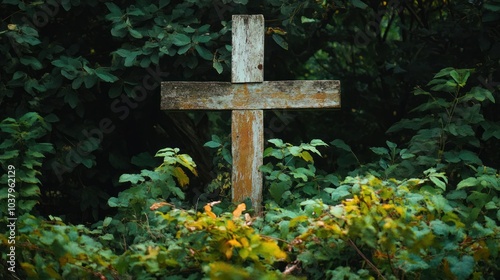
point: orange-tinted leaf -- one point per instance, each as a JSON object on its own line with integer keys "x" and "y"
{"x": 157, "y": 205}
{"x": 208, "y": 210}
{"x": 239, "y": 209}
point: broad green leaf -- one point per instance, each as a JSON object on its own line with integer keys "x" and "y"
{"x": 304, "y": 19}
{"x": 105, "y": 75}
{"x": 380, "y": 151}
{"x": 180, "y": 39}
{"x": 469, "y": 182}
{"x": 295, "y": 151}
{"x": 462, "y": 268}
{"x": 203, "y": 52}
{"x": 31, "y": 61}
{"x": 359, "y": 4}
{"x": 114, "y": 9}
{"x": 9, "y": 155}
{"x": 217, "y": 66}
{"x": 184, "y": 49}
{"x": 134, "y": 33}
{"x": 212, "y": 144}
{"x": 163, "y": 3}
{"x": 277, "y": 142}
{"x": 318, "y": 142}
{"x": 132, "y": 178}
{"x": 107, "y": 221}
{"x": 341, "y": 145}
{"x": 280, "y": 41}
{"x": 277, "y": 189}
{"x": 444, "y": 72}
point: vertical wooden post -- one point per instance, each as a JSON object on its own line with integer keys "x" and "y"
{"x": 247, "y": 132}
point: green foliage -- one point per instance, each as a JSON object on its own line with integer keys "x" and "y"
{"x": 292, "y": 176}
{"x": 448, "y": 131}
{"x": 391, "y": 228}
{"x": 22, "y": 154}
{"x": 81, "y": 78}
{"x": 361, "y": 227}
{"x": 222, "y": 162}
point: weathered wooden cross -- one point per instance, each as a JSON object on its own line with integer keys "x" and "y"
{"x": 247, "y": 95}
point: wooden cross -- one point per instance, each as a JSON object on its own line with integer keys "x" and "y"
{"x": 247, "y": 95}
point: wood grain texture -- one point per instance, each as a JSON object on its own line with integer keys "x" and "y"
{"x": 266, "y": 95}
{"x": 247, "y": 63}
{"x": 247, "y": 133}
{"x": 247, "y": 95}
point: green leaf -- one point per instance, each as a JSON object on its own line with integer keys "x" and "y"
{"x": 380, "y": 151}
{"x": 341, "y": 145}
{"x": 280, "y": 41}
{"x": 10, "y": 154}
{"x": 318, "y": 142}
{"x": 461, "y": 268}
{"x": 180, "y": 39}
{"x": 340, "y": 193}
{"x": 226, "y": 155}
{"x": 184, "y": 49}
{"x": 444, "y": 72}
{"x": 132, "y": 178}
{"x": 277, "y": 142}
{"x": 163, "y": 3}
{"x": 469, "y": 182}
{"x": 217, "y": 66}
{"x": 203, "y": 52}
{"x": 304, "y": 19}
{"x": 31, "y": 61}
{"x": 359, "y": 4}
{"x": 105, "y": 75}
{"x": 278, "y": 189}
{"x": 212, "y": 144}
{"x": 71, "y": 98}
{"x": 107, "y": 221}
{"x": 114, "y": 9}
{"x": 295, "y": 151}
{"x": 203, "y": 39}
{"x": 134, "y": 33}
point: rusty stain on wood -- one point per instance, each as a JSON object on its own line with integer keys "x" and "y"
{"x": 247, "y": 135}
{"x": 266, "y": 95}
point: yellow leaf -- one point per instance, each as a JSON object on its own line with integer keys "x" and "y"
{"x": 187, "y": 162}
{"x": 52, "y": 273}
{"x": 152, "y": 252}
{"x": 276, "y": 30}
{"x": 208, "y": 210}
{"x": 305, "y": 155}
{"x": 182, "y": 178}
{"x": 226, "y": 249}
{"x": 234, "y": 243}
{"x": 230, "y": 225}
{"x": 222, "y": 270}
{"x": 272, "y": 249}
{"x": 239, "y": 209}
{"x": 244, "y": 242}
{"x": 30, "y": 270}
{"x": 297, "y": 220}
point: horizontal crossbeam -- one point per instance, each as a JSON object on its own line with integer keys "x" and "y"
{"x": 265, "y": 95}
